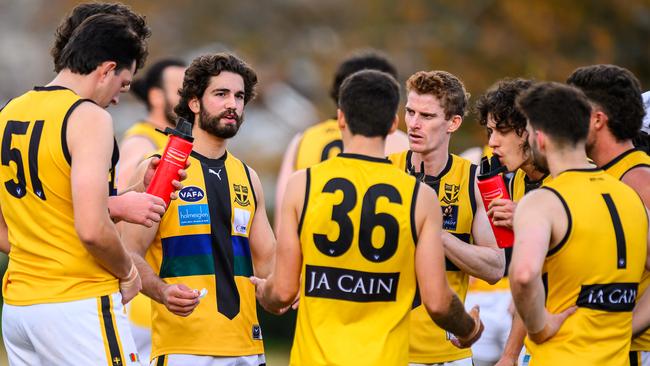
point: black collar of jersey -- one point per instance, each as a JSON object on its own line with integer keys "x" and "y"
{"x": 618, "y": 158}
{"x": 364, "y": 157}
{"x": 421, "y": 176}
{"x": 50, "y": 88}
{"x": 582, "y": 170}
{"x": 207, "y": 160}
{"x": 530, "y": 185}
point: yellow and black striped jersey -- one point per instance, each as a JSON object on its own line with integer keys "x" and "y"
{"x": 318, "y": 143}
{"x": 204, "y": 239}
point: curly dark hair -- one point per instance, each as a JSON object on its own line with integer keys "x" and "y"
{"x": 444, "y": 86}
{"x": 362, "y": 60}
{"x": 499, "y": 102}
{"x": 197, "y": 78}
{"x": 81, "y": 12}
{"x": 618, "y": 92}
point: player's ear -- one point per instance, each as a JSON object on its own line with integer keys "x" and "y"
{"x": 393, "y": 126}
{"x": 341, "y": 119}
{"x": 195, "y": 105}
{"x": 454, "y": 123}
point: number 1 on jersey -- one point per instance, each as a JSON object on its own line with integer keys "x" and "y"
{"x": 9, "y": 154}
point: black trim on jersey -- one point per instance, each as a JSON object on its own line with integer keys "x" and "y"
{"x": 414, "y": 199}
{"x": 472, "y": 194}
{"x": 449, "y": 265}
{"x": 6, "y": 104}
{"x": 364, "y": 157}
{"x": 634, "y": 358}
{"x": 432, "y": 181}
{"x": 110, "y": 332}
{"x": 51, "y": 88}
{"x": 250, "y": 182}
{"x": 582, "y": 170}
{"x": 64, "y": 127}
{"x": 621, "y": 252}
{"x": 618, "y": 158}
{"x": 545, "y": 285}
{"x": 530, "y": 185}
{"x": 640, "y": 165}
{"x": 569, "y": 223}
{"x": 207, "y": 160}
{"x": 220, "y": 208}
{"x": 304, "y": 205}
{"x": 160, "y": 361}
{"x": 112, "y": 186}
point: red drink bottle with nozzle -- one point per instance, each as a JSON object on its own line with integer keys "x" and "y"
{"x": 492, "y": 186}
{"x": 174, "y": 157}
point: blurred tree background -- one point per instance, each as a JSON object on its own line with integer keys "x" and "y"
{"x": 295, "y": 45}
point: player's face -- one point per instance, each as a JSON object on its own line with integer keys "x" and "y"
{"x": 172, "y": 80}
{"x": 539, "y": 159}
{"x": 114, "y": 83}
{"x": 222, "y": 105}
{"x": 426, "y": 123}
{"x": 507, "y": 145}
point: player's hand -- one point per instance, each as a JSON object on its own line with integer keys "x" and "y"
{"x": 467, "y": 341}
{"x": 139, "y": 208}
{"x": 506, "y": 361}
{"x": 501, "y": 211}
{"x": 260, "y": 287}
{"x": 553, "y": 324}
{"x": 180, "y": 299}
{"x": 131, "y": 285}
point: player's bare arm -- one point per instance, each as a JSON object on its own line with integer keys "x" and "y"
{"x": 91, "y": 147}
{"x": 279, "y": 290}
{"x": 133, "y": 151}
{"x": 484, "y": 259}
{"x": 5, "y": 246}
{"x": 514, "y": 344}
{"x": 540, "y": 223}
{"x": 286, "y": 169}
{"x": 443, "y": 306}
{"x": 262, "y": 240}
{"x": 178, "y": 299}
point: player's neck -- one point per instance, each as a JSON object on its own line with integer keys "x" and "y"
{"x": 208, "y": 145}
{"x": 362, "y": 145}
{"x": 82, "y": 85}
{"x": 531, "y": 171}
{"x": 566, "y": 159}
{"x": 158, "y": 119}
{"x": 606, "y": 148}
{"x": 434, "y": 160}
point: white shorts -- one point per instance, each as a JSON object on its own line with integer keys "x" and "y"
{"x": 142, "y": 338}
{"x": 461, "y": 362}
{"x": 639, "y": 358}
{"x": 92, "y": 331}
{"x": 194, "y": 360}
{"x": 497, "y": 320}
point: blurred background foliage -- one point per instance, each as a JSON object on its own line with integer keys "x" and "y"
{"x": 295, "y": 45}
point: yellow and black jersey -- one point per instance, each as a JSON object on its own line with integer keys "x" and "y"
{"x": 520, "y": 184}
{"x": 148, "y": 131}
{"x": 455, "y": 187}
{"x": 596, "y": 267}
{"x": 48, "y": 263}
{"x": 358, "y": 236}
{"x": 318, "y": 143}
{"x": 204, "y": 238}
{"x": 617, "y": 168}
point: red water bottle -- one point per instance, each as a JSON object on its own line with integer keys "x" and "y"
{"x": 492, "y": 186}
{"x": 174, "y": 157}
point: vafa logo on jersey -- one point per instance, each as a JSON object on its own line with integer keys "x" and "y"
{"x": 191, "y": 194}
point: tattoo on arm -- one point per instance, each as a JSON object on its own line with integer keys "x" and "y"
{"x": 456, "y": 321}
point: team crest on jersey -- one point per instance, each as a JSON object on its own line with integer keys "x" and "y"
{"x": 241, "y": 195}
{"x": 191, "y": 194}
{"x": 451, "y": 193}
{"x": 450, "y": 217}
{"x": 257, "y": 332}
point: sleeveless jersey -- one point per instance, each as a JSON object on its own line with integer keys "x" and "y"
{"x": 455, "y": 187}
{"x": 596, "y": 266}
{"x": 148, "y": 131}
{"x": 318, "y": 143}
{"x": 204, "y": 237}
{"x": 47, "y": 263}
{"x": 357, "y": 234}
{"x": 140, "y": 306}
{"x": 617, "y": 168}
